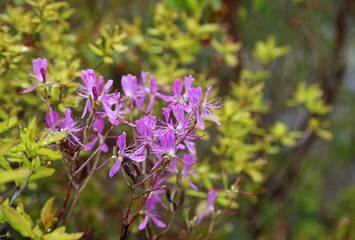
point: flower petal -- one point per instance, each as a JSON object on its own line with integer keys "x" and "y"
{"x": 115, "y": 167}
{"x": 143, "y": 224}
{"x": 55, "y": 117}
{"x": 158, "y": 222}
{"x": 30, "y": 89}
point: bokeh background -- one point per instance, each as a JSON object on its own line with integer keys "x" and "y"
{"x": 305, "y": 190}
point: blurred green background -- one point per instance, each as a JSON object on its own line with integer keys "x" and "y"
{"x": 307, "y": 190}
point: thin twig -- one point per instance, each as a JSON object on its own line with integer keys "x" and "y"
{"x": 86, "y": 162}
{"x": 18, "y": 192}
{"x": 72, "y": 206}
{"x": 148, "y": 191}
{"x": 65, "y": 202}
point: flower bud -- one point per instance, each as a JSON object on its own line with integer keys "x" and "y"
{"x": 43, "y": 74}
{"x": 182, "y": 198}
{"x": 133, "y": 176}
{"x": 127, "y": 169}
{"x": 137, "y": 168}
{"x": 168, "y": 194}
{"x": 95, "y": 93}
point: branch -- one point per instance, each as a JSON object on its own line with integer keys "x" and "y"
{"x": 18, "y": 192}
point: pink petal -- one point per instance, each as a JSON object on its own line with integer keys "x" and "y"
{"x": 200, "y": 123}
{"x": 115, "y": 167}
{"x": 30, "y": 89}
{"x": 158, "y": 222}
{"x": 90, "y": 145}
{"x": 143, "y": 224}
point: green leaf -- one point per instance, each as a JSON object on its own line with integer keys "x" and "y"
{"x": 224, "y": 180}
{"x": 51, "y": 154}
{"x": 194, "y": 193}
{"x": 327, "y": 135}
{"x": 185, "y": 214}
{"x": 47, "y": 214}
{"x": 52, "y": 139}
{"x": 32, "y": 3}
{"x": 4, "y": 163}
{"x": 16, "y": 220}
{"x": 42, "y": 173}
{"x": 108, "y": 60}
{"x": 60, "y": 234}
{"x": 6, "y": 145}
{"x": 224, "y": 202}
{"x": 96, "y": 50}
{"x": 7, "y": 124}
{"x": 119, "y": 48}
{"x": 32, "y": 129}
{"x": 13, "y": 175}
{"x": 255, "y": 174}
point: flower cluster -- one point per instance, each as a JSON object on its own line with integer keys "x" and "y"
{"x": 158, "y": 142}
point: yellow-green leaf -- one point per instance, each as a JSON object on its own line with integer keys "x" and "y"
{"x": 224, "y": 202}
{"x": 51, "y": 154}
{"x": 60, "y": 234}
{"x": 96, "y": 50}
{"x": 194, "y": 193}
{"x": 42, "y": 173}
{"x": 7, "y": 124}
{"x": 47, "y": 214}
{"x": 16, "y": 220}
{"x": 13, "y": 175}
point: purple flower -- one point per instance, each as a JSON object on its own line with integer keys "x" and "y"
{"x": 194, "y": 96}
{"x": 70, "y": 125}
{"x": 188, "y": 84}
{"x": 98, "y": 127}
{"x": 188, "y": 161}
{"x": 113, "y": 100}
{"x": 123, "y": 152}
{"x": 153, "y": 89}
{"x": 205, "y": 112}
{"x": 92, "y": 88}
{"x": 189, "y": 143}
{"x": 155, "y": 194}
{"x": 129, "y": 85}
{"x": 121, "y": 143}
{"x": 55, "y": 118}
{"x": 211, "y": 197}
{"x": 179, "y": 114}
{"x": 39, "y": 70}
{"x": 176, "y": 97}
{"x": 146, "y": 127}
{"x": 152, "y": 213}
{"x": 166, "y": 147}
{"x": 177, "y": 88}
{"x": 133, "y": 90}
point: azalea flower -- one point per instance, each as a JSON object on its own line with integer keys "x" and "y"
{"x": 98, "y": 127}
{"x": 211, "y": 197}
{"x": 92, "y": 89}
{"x": 123, "y": 152}
{"x": 151, "y": 212}
{"x": 39, "y": 73}
{"x": 165, "y": 148}
{"x": 205, "y": 112}
{"x": 133, "y": 90}
{"x": 189, "y": 160}
{"x": 55, "y": 118}
{"x": 70, "y": 125}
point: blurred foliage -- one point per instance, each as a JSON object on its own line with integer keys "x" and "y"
{"x": 262, "y": 63}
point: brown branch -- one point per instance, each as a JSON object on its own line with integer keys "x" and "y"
{"x": 65, "y": 202}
